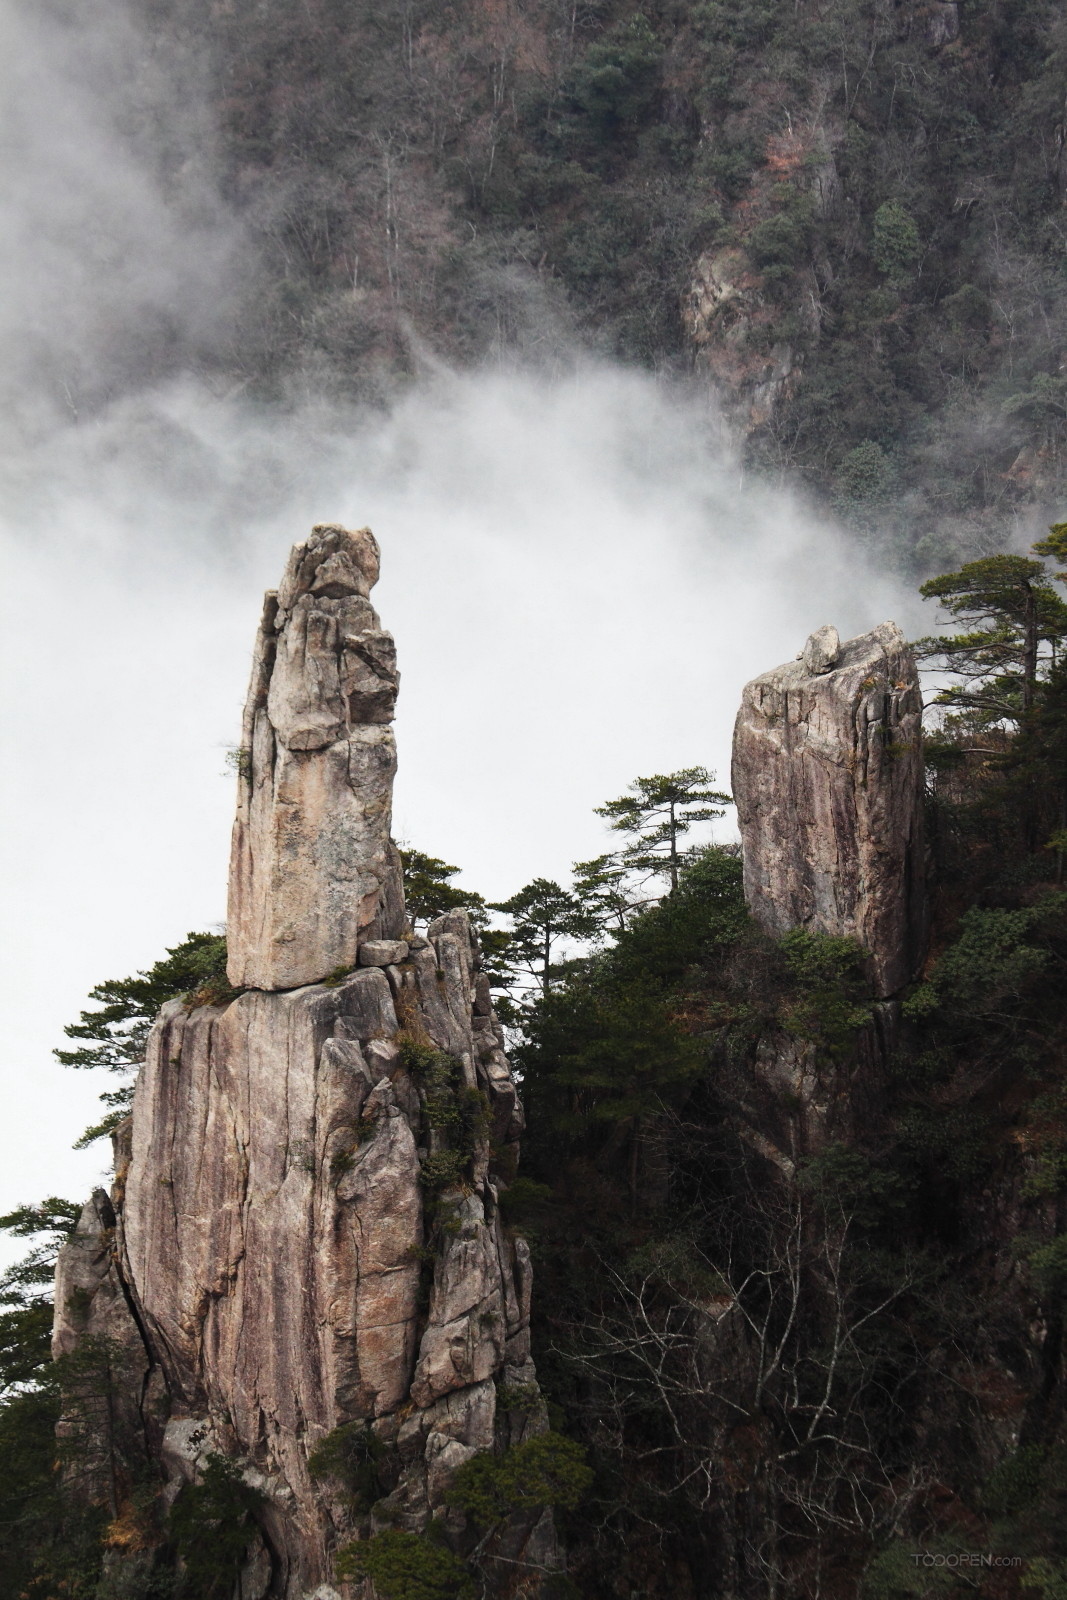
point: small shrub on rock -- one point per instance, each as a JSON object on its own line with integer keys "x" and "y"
{"x": 548, "y": 1470}
{"x": 405, "y": 1566}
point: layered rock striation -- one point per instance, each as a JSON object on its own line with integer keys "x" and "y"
{"x": 305, "y": 1230}
{"x": 828, "y": 781}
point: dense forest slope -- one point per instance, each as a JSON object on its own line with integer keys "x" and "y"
{"x": 847, "y": 216}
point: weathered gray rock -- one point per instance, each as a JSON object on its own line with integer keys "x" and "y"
{"x": 272, "y": 1230}
{"x": 822, "y": 650}
{"x": 112, "y": 1385}
{"x": 313, "y": 871}
{"x": 267, "y": 1254}
{"x": 828, "y": 781}
{"x": 382, "y": 952}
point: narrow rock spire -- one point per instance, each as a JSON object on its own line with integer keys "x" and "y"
{"x": 313, "y": 873}
{"x": 828, "y": 780}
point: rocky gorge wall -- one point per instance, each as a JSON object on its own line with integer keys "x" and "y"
{"x": 304, "y": 1229}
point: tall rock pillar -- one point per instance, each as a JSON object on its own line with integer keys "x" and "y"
{"x": 313, "y": 873}
{"x": 828, "y": 780}
{"x": 305, "y": 1231}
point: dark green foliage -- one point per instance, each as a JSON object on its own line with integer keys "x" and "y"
{"x": 450, "y": 1106}
{"x": 780, "y": 244}
{"x": 617, "y": 1052}
{"x": 863, "y": 482}
{"x": 48, "y": 1545}
{"x": 1048, "y": 1263}
{"x": 51, "y": 1223}
{"x": 829, "y": 1003}
{"x": 334, "y": 979}
{"x": 893, "y": 193}
{"x": 543, "y": 915}
{"x": 420, "y": 1057}
{"x": 116, "y": 1033}
{"x": 26, "y": 1314}
{"x": 657, "y": 813}
{"x": 406, "y": 1566}
{"x": 429, "y": 892}
{"x": 1010, "y": 610}
{"x": 443, "y": 1168}
{"x": 351, "y": 1454}
{"x": 846, "y": 1182}
{"x": 609, "y": 1047}
{"x": 1047, "y": 1578}
{"x": 895, "y": 245}
{"x": 457, "y": 1114}
{"x": 994, "y": 961}
{"x": 212, "y": 1523}
{"x": 612, "y": 85}
{"x": 1016, "y": 1482}
{"x": 547, "y": 1470}
{"x": 523, "y": 1201}
{"x": 704, "y": 917}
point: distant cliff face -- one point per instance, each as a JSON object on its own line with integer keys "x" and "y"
{"x": 828, "y": 780}
{"x": 305, "y": 1230}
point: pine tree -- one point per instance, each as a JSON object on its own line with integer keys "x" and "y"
{"x": 658, "y": 812}
{"x": 115, "y": 1035}
{"x": 429, "y": 892}
{"x": 543, "y": 914}
{"x": 1010, "y": 611}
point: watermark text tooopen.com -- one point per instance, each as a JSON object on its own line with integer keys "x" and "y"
{"x": 964, "y": 1558}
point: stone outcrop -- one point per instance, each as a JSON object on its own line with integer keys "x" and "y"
{"x": 828, "y": 781}
{"x": 305, "y": 1230}
{"x": 313, "y": 871}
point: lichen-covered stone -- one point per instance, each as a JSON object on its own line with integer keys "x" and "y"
{"x": 828, "y": 781}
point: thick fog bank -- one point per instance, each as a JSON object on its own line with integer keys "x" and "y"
{"x": 578, "y": 582}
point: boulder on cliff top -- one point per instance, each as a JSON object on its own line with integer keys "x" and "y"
{"x": 828, "y": 781}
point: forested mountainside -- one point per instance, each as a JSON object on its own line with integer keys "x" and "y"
{"x": 846, "y": 215}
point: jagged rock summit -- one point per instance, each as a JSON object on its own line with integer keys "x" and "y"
{"x": 828, "y": 781}
{"x": 313, "y": 872}
{"x": 305, "y": 1229}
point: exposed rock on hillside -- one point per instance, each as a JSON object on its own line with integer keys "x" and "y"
{"x": 305, "y": 1232}
{"x": 313, "y": 871}
{"x": 827, "y": 776}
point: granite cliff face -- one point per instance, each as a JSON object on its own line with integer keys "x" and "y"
{"x": 828, "y": 780}
{"x": 304, "y": 1230}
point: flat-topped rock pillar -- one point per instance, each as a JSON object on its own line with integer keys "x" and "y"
{"x": 313, "y": 873}
{"x": 828, "y": 780}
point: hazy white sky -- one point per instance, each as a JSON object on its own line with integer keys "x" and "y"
{"x": 577, "y": 581}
